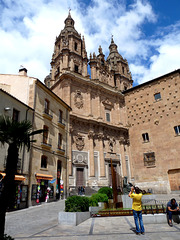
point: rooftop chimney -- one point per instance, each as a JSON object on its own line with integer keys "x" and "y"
{"x": 23, "y": 71}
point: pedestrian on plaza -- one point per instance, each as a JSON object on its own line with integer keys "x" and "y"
{"x": 172, "y": 209}
{"x": 79, "y": 190}
{"x": 136, "y": 195}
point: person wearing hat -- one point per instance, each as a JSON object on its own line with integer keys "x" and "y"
{"x": 136, "y": 195}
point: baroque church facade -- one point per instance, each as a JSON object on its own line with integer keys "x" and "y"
{"x": 98, "y": 125}
{"x": 112, "y": 121}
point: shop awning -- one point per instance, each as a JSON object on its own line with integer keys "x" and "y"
{"x": 44, "y": 176}
{"x": 17, "y": 177}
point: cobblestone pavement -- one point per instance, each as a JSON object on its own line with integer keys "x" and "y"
{"x": 41, "y": 223}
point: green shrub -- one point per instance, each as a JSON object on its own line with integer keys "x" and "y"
{"x": 106, "y": 190}
{"x": 77, "y": 204}
{"x": 97, "y": 197}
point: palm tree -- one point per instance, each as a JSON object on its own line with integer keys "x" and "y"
{"x": 15, "y": 134}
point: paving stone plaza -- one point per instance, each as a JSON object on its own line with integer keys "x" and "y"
{"x": 41, "y": 223}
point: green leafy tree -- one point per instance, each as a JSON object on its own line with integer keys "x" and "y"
{"x": 15, "y": 134}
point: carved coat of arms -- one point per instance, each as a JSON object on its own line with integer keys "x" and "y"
{"x": 79, "y": 140}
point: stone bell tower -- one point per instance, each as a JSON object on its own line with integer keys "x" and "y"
{"x": 69, "y": 53}
{"x": 113, "y": 71}
{"x": 120, "y": 68}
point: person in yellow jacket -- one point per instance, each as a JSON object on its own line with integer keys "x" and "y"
{"x": 136, "y": 195}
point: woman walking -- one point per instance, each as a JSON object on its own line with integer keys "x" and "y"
{"x": 136, "y": 195}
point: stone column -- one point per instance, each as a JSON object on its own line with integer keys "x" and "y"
{"x": 91, "y": 153}
{"x": 101, "y": 155}
{"x": 61, "y": 64}
{"x": 123, "y": 161}
{"x": 99, "y": 105}
{"x": 89, "y": 101}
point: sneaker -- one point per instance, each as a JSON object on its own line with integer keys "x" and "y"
{"x": 170, "y": 224}
{"x": 138, "y": 233}
{"x": 143, "y": 233}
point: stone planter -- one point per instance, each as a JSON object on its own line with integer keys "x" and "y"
{"x": 102, "y": 205}
{"x": 94, "y": 210}
{"x": 72, "y": 218}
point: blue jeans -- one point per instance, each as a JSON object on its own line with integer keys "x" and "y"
{"x": 138, "y": 215}
{"x": 170, "y": 213}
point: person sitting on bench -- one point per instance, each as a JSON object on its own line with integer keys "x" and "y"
{"x": 172, "y": 209}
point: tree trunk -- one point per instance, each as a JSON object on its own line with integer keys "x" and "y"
{"x": 7, "y": 195}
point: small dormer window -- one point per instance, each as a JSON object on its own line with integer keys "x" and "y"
{"x": 76, "y": 68}
{"x": 157, "y": 96}
{"x": 102, "y": 62}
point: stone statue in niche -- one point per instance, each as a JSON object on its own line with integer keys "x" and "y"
{"x": 78, "y": 99}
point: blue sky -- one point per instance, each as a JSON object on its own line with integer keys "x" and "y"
{"x": 147, "y": 33}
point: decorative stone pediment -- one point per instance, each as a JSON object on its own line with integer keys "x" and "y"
{"x": 108, "y": 104}
{"x": 80, "y": 158}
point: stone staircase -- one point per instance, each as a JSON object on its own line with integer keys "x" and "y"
{"x": 88, "y": 191}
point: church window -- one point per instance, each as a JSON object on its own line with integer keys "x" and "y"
{"x": 177, "y": 130}
{"x": 157, "y": 96}
{"x": 149, "y": 159}
{"x": 75, "y": 46}
{"x": 76, "y": 68}
{"x": 145, "y": 137}
{"x": 43, "y": 161}
{"x": 107, "y": 116}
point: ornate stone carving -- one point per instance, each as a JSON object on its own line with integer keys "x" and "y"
{"x": 78, "y": 99}
{"x": 100, "y": 136}
{"x": 91, "y": 134}
{"x": 79, "y": 140}
{"x": 107, "y": 104}
{"x": 122, "y": 140}
{"x": 80, "y": 158}
{"x": 111, "y": 144}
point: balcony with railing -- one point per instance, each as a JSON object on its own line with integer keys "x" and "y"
{"x": 61, "y": 123}
{"x": 61, "y": 149}
{"x": 48, "y": 114}
{"x": 46, "y": 143}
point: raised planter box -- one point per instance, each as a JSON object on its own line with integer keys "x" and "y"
{"x": 72, "y": 218}
{"x": 94, "y": 210}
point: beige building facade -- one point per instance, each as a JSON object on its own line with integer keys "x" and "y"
{"x": 49, "y": 156}
{"x": 137, "y": 128}
{"x": 98, "y": 126}
{"x": 18, "y": 111}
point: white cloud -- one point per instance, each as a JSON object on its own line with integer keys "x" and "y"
{"x": 166, "y": 58}
{"x": 28, "y": 30}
